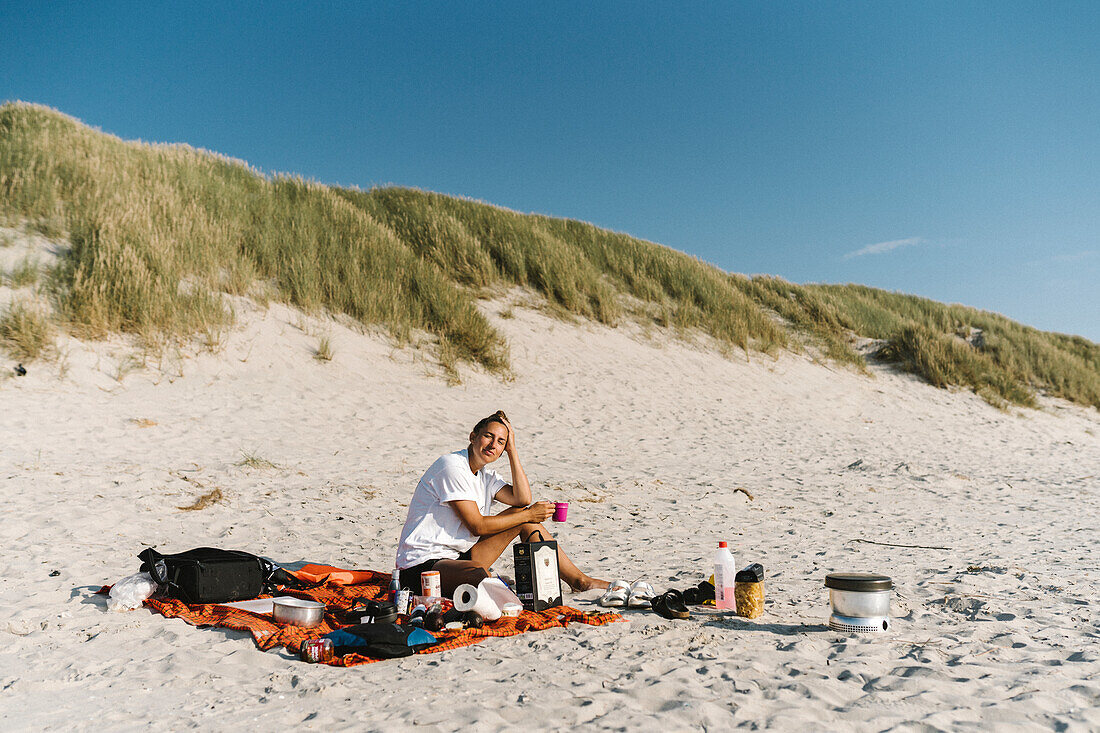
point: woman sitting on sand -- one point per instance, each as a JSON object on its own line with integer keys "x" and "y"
{"x": 450, "y": 528}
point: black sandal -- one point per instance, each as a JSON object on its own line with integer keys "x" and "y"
{"x": 670, "y": 605}
{"x": 700, "y": 594}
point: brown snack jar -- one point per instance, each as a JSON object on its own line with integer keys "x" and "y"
{"x": 749, "y": 598}
{"x": 748, "y": 591}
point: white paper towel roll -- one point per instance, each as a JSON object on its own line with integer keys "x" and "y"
{"x": 467, "y": 598}
{"x": 487, "y": 599}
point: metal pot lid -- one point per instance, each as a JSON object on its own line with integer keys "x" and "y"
{"x": 858, "y": 581}
{"x": 291, "y": 602}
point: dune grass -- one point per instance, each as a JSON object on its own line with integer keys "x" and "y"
{"x": 582, "y": 268}
{"x": 251, "y": 459}
{"x": 24, "y": 274}
{"x": 323, "y": 352}
{"x": 25, "y": 331}
{"x": 159, "y": 232}
{"x": 930, "y": 338}
{"x": 805, "y": 311}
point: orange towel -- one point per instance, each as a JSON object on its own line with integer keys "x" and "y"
{"x": 314, "y": 573}
{"x": 267, "y": 634}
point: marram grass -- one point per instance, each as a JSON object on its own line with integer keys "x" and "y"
{"x": 24, "y": 274}
{"x": 25, "y": 331}
{"x": 158, "y": 232}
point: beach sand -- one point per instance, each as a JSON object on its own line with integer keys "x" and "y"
{"x": 648, "y": 437}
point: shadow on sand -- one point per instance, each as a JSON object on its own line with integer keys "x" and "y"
{"x": 739, "y": 624}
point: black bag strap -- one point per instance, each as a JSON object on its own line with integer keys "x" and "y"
{"x": 150, "y": 559}
{"x": 542, "y": 537}
{"x": 276, "y": 577}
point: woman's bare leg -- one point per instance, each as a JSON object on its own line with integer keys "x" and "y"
{"x": 453, "y": 573}
{"x": 489, "y": 549}
{"x": 568, "y": 572}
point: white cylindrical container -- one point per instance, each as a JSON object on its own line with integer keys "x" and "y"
{"x": 725, "y": 571}
{"x": 429, "y": 583}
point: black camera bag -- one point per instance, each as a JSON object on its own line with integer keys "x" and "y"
{"x": 380, "y": 641}
{"x": 208, "y": 575}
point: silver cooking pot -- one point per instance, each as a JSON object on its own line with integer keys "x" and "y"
{"x": 859, "y": 595}
{"x": 298, "y": 612}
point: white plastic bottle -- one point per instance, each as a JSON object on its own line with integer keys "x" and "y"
{"x": 725, "y": 569}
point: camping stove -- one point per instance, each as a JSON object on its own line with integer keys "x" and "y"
{"x": 860, "y": 602}
{"x": 850, "y": 625}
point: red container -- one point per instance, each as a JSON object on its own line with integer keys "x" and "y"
{"x": 316, "y": 650}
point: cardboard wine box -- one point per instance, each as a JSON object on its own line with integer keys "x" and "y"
{"x": 537, "y": 582}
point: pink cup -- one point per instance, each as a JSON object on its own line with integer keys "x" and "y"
{"x": 561, "y": 510}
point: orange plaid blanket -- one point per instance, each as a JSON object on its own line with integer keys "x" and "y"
{"x": 339, "y": 596}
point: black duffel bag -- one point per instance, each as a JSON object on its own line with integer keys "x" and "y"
{"x": 208, "y": 575}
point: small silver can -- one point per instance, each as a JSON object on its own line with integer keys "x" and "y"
{"x": 402, "y": 601}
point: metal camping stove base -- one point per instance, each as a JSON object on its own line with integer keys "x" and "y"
{"x": 859, "y": 625}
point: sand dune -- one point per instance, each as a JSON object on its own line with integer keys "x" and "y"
{"x": 648, "y": 437}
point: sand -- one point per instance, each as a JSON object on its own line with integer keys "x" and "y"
{"x": 648, "y": 437}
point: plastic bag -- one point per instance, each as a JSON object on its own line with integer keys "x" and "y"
{"x": 129, "y": 593}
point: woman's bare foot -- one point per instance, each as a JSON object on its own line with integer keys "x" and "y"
{"x": 587, "y": 583}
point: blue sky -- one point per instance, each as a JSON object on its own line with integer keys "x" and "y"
{"x": 950, "y": 150}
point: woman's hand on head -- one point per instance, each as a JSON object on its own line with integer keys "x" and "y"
{"x": 510, "y": 446}
{"x": 540, "y": 511}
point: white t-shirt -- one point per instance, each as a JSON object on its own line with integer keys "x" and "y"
{"x": 433, "y": 529}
